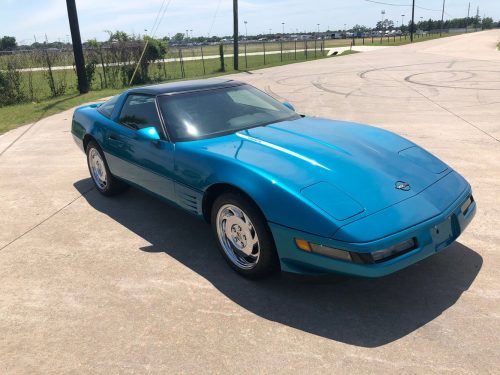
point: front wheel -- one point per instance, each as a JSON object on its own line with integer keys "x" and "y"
{"x": 243, "y": 235}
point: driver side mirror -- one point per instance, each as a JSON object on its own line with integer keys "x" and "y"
{"x": 289, "y": 106}
{"x": 148, "y": 133}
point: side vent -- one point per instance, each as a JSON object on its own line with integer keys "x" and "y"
{"x": 189, "y": 199}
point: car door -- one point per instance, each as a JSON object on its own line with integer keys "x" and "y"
{"x": 145, "y": 162}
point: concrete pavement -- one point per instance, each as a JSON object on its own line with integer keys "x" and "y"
{"x": 132, "y": 285}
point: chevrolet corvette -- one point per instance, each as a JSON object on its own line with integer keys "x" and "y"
{"x": 282, "y": 191}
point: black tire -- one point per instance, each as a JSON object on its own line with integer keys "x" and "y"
{"x": 268, "y": 261}
{"x": 113, "y": 185}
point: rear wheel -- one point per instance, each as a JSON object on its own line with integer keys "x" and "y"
{"x": 104, "y": 181}
{"x": 243, "y": 235}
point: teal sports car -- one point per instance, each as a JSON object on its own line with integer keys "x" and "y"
{"x": 281, "y": 191}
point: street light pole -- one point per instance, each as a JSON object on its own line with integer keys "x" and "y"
{"x": 246, "y": 31}
{"x": 83, "y": 85}
{"x": 402, "y": 21}
{"x": 235, "y": 36}
{"x": 283, "y": 26}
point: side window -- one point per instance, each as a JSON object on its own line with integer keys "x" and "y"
{"x": 107, "y": 107}
{"x": 139, "y": 111}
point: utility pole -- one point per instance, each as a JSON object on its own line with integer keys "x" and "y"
{"x": 442, "y": 17}
{"x": 412, "y": 20}
{"x": 235, "y": 36}
{"x": 467, "y": 20}
{"x": 83, "y": 86}
{"x": 476, "y": 22}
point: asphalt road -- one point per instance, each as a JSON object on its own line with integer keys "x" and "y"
{"x": 132, "y": 285}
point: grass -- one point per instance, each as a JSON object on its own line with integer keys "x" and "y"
{"x": 20, "y": 114}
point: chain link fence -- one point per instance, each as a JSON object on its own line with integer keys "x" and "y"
{"x": 40, "y": 74}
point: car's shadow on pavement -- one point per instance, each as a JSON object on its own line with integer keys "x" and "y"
{"x": 363, "y": 312}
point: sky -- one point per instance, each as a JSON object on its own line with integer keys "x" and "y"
{"x": 30, "y": 19}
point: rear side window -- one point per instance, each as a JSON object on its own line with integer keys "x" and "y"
{"x": 139, "y": 111}
{"x": 107, "y": 108}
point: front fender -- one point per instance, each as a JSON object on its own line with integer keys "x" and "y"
{"x": 279, "y": 203}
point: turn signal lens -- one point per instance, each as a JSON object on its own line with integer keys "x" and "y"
{"x": 303, "y": 245}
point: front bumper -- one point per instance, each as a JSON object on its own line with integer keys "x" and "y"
{"x": 78, "y": 141}
{"x": 432, "y": 236}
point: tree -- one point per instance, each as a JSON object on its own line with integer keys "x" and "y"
{"x": 8, "y": 43}
{"x": 385, "y": 25}
{"x": 360, "y": 28}
{"x": 487, "y": 23}
{"x": 156, "y": 49}
{"x": 118, "y": 36}
{"x": 177, "y": 38}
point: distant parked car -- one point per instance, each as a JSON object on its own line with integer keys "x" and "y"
{"x": 281, "y": 190}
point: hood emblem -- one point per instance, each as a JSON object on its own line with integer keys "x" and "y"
{"x": 402, "y": 185}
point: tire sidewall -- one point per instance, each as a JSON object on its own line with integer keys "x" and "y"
{"x": 109, "y": 181}
{"x": 268, "y": 260}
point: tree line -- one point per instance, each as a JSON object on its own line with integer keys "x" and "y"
{"x": 9, "y": 43}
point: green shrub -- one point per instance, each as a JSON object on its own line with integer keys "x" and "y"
{"x": 10, "y": 86}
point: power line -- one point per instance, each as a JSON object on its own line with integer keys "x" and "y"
{"x": 213, "y": 19}
{"x": 391, "y": 4}
{"x": 401, "y": 5}
{"x": 158, "y": 15}
{"x": 153, "y": 34}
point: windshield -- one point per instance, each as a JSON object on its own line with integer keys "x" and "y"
{"x": 204, "y": 114}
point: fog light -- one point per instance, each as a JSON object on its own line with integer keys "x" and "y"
{"x": 331, "y": 252}
{"x": 466, "y": 205}
{"x": 394, "y": 250}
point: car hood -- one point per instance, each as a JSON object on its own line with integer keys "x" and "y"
{"x": 346, "y": 169}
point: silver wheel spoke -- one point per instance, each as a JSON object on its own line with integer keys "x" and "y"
{"x": 238, "y": 237}
{"x": 97, "y": 169}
